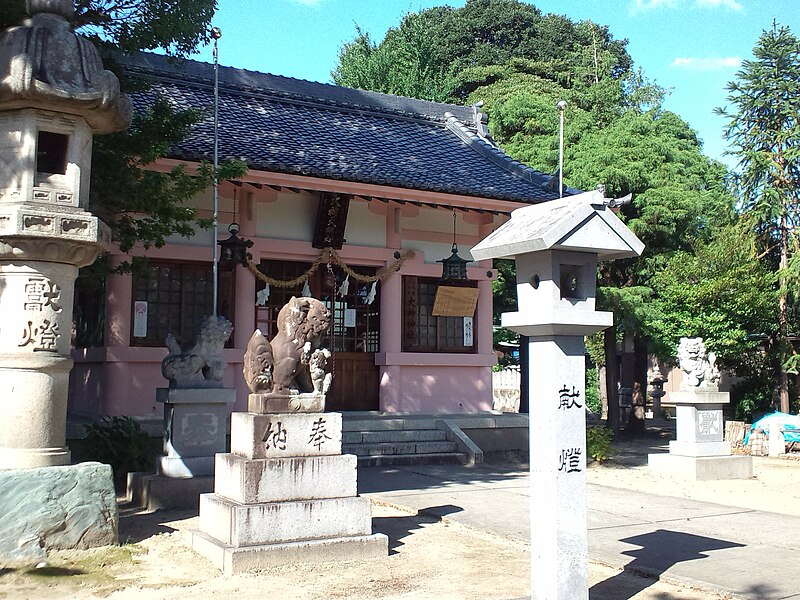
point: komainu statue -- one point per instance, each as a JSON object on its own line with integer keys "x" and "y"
{"x": 699, "y": 368}
{"x": 200, "y": 365}
{"x": 293, "y": 362}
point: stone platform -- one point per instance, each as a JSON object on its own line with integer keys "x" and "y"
{"x": 285, "y": 493}
{"x": 702, "y": 468}
{"x": 700, "y": 452}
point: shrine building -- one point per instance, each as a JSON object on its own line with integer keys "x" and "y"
{"x": 353, "y": 197}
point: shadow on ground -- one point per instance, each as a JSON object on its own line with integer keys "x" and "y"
{"x": 399, "y": 528}
{"x": 136, "y": 525}
{"x": 657, "y": 552}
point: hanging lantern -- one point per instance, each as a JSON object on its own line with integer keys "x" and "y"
{"x": 233, "y": 251}
{"x": 454, "y": 268}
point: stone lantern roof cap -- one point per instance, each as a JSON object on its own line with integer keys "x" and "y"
{"x": 581, "y": 223}
{"x": 44, "y": 64}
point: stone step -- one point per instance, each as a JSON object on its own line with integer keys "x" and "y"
{"x": 388, "y": 424}
{"x": 383, "y": 449}
{"x": 437, "y": 458}
{"x": 405, "y": 435}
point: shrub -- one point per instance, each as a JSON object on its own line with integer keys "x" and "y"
{"x": 120, "y": 442}
{"x": 593, "y": 401}
{"x": 598, "y": 442}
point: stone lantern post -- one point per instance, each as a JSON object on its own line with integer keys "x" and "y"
{"x": 556, "y": 246}
{"x": 54, "y": 95}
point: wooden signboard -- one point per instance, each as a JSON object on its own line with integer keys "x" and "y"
{"x": 454, "y": 301}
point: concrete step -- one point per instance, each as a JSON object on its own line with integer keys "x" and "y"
{"x": 378, "y": 437}
{"x": 383, "y": 449}
{"x": 438, "y": 458}
{"x": 384, "y": 424}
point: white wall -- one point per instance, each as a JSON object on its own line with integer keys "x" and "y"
{"x": 291, "y": 217}
{"x": 364, "y": 228}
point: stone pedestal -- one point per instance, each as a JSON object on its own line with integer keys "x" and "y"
{"x": 285, "y": 493}
{"x": 700, "y": 451}
{"x": 558, "y": 468}
{"x": 195, "y": 429}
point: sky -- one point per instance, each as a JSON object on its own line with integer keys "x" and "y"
{"x": 693, "y": 48}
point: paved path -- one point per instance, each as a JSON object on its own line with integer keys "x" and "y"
{"x": 752, "y": 554}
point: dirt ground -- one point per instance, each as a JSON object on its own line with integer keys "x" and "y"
{"x": 428, "y": 558}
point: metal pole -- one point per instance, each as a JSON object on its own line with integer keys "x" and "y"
{"x": 216, "y": 34}
{"x": 562, "y": 104}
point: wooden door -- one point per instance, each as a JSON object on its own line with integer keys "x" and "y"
{"x": 355, "y": 382}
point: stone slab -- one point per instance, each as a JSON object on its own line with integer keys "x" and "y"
{"x": 702, "y": 468}
{"x": 182, "y": 468}
{"x": 195, "y": 429}
{"x": 56, "y": 508}
{"x": 196, "y": 395}
{"x": 299, "y": 403}
{"x": 156, "y": 492}
{"x": 238, "y": 525}
{"x": 286, "y": 435}
{"x": 232, "y": 560}
{"x": 700, "y": 448}
{"x": 710, "y": 397}
{"x": 251, "y": 481}
{"x": 699, "y": 423}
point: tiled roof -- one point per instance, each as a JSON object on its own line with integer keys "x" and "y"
{"x": 287, "y": 125}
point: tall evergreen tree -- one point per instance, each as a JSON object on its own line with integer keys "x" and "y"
{"x": 764, "y": 134}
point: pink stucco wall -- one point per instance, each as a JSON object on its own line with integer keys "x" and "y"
{"x": 122, "y": 379}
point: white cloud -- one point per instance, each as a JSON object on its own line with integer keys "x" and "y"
{"x": 643, "y": 5}
{"x": 730, "y": 4}
{"x": 313, "y": 3}
{"x": 707, "y": 64}
{"x": 637, "y": 6}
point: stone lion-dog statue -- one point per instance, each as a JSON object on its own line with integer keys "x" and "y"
{"x": 200, "y": 365}
{"x": 293, "y": 362}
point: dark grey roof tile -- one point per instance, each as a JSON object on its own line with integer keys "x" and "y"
{"x": 293, "y": 126}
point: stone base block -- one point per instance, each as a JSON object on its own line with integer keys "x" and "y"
{"x": 699, "y": 396}
{"x": 699, "y": 449}
{"x": 255, "y": 558}
{"x": 31, "y": 458}
{"x": 282, "y": 435}
{"x": 56, "y": 508}
{"x": 251, "y": 481}
{"x": 702, "y": 468}
{"x": 193, "y": 466}
{"x": 275, "y": 403}
{"x": 155, "y": 492}
{"x": 209, "y": 395}
{"x": 235, "y": 524}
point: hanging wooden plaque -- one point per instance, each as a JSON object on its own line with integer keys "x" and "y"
{"x": 451, "y": 301}
{"x": 331, "y": 221}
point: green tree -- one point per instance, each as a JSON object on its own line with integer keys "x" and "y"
{"x": 140, "y": 205}
{"x": 426, "y": 54}
{"x": 764, "y": 134}
{"x": 176, "y": 26}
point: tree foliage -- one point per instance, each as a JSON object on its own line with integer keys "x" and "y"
{"x": 764, "y": 134}
{"x": 424, "y": 56}
{"x": 699, "y": 274}
{"x": 175, "y": 26}
{"x": 143, "y": 206}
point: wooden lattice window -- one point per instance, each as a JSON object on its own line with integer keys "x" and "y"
{"x": 175, "y": 297}
{"x": 423, "y": 332}
{"x": 355, "y": 324}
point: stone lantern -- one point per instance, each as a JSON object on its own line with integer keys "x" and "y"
{"x": 54, "y": 95}
{"x": 556, "y": 246}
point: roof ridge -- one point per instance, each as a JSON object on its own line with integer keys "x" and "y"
{"x": 143, "y": 62}
{"x": 494, "y": 153}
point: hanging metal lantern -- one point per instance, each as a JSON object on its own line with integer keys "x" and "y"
{"x": 233, "y": 251}
{"x": 454, "y": 268}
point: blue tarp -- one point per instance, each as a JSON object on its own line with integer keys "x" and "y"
{"x": 778, "y": 420}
